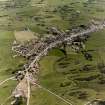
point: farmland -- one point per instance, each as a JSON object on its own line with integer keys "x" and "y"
{"x": 73, "y": 77}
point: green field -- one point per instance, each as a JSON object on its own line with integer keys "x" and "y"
{"x": 8, "y": 64}
{"x": 68, "y": 76}
{"x": 73, "y": 78}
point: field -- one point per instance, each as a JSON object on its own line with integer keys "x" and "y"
{"x": 74, "y": 78}
{"x": 23, "y": 36}
{"x": 69, "y": 78}
{"x": 8, "y": 64}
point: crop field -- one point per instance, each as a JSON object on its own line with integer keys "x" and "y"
{"x": 73, "y": 77}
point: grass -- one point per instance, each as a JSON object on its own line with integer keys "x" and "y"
{"x": 67, "y": 71}
{"x": 60, "y": 75}
{"x": 8, "y": 64}
{"x": 50, "y": 14}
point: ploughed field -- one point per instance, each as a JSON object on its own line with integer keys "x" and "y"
{"x": 73, "y": 77}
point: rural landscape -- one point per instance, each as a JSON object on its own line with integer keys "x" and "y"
{"x": 52, "y": 52}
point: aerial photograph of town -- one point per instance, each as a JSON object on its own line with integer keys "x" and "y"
{"x": 52, "y": 52}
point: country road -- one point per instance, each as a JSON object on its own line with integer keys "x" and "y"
{"x": 66, "y": 38}
{"x": 43, "y": 50}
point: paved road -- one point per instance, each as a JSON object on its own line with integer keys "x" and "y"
{"x": 62, "y": 39}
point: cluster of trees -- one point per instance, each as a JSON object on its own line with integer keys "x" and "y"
{"x": 18, "y": 101}
{"x": 79, "y": 94}
{"x": 67, "y": 12}
{"x": 17, "y": 3}
{"x": 96, "y": 102}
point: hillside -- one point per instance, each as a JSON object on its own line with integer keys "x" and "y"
{"x": 74, "y": 78}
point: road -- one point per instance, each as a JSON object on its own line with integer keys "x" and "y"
{"x": 67, "y": 38}
{"x": 45, "y": 47}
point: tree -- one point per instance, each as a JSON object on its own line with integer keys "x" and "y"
{"x": 19, "y": 3}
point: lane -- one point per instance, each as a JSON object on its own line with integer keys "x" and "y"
{"x": 4, "y": 103}
{"x": 28, "y": 83}
{"x": 63, "y": 39}
{"x": 44, "y": 51}
{"x": 59, "y": 97}
{"x": 6, "y": 80}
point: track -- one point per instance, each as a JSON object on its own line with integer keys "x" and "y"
{"x": 6, "y": 80}
{"x": 62, "y": 39}
{"x": 43, "y": 50}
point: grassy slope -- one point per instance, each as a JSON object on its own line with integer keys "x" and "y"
{"x": 50, "y": 77}
{"x": 8, "y": 64}
{"x": 52, "y": 74}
